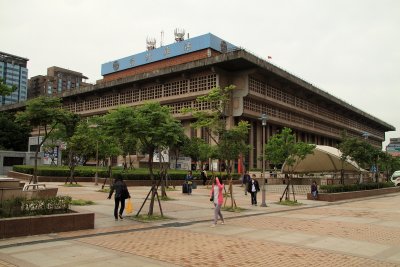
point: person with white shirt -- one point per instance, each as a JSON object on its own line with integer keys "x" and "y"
{"x": 253, "y": 188}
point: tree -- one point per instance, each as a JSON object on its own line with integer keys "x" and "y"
{"x": 44, "y": 113}
{"x": 191, "y": 147}
{"x": 156, "y": 130}
{"x": 283, "y": 148}
{"x": 6, "y": 90}
{"x": 76, "y": 148}
{"x": 230, "y": 143}
{"x": 361, "y": 152}
{"x": 103, "y": 143}
{"x": 388, "y": 164}
{"x": 13, "y": 136}
{"x": 118, "y": 123}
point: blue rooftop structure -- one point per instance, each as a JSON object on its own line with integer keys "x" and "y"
{"x": 168, "y": 51}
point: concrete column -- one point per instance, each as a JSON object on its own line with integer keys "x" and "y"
{"x": 259, "y": 145}
{"x": 1, "y": 165}
{"x": 252, "y": 143}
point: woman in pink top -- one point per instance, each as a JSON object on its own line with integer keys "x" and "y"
{"x": 218, "y": 198}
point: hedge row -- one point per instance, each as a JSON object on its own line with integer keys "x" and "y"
{"x": 85, "y": 171}
{"x": 353, "y": 187}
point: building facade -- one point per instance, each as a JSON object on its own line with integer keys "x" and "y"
{"x": 57, "y": 81}
{"x": 176, "y": 74}
{"x": 14, "y": 72}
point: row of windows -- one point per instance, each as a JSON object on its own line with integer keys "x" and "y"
{"x": 261, "y": 87}
{"x": 152, "y": 92}
{"x": 287, "y": 116}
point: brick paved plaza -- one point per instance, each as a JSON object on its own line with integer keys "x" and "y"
{"x": 360, "y": 232}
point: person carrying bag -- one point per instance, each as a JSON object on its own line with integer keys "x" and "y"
{"x": 121, "y": 193}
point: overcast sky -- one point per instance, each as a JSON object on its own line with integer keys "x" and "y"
{"x": 348, "y": 48}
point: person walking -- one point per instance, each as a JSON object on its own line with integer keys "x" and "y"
{"x": 245, "y": 182}
{"x": 253, "y": 188}
{"x": 217, "y": 197}
{"x": 121, "y": 193}
{"x": 203, "y": 175}
{"x": 189, "y": 181}
{"x": 314, "y": 190}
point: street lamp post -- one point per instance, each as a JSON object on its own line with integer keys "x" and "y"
{"x": 96, "y": 175}
{"x": 263, "y": 119}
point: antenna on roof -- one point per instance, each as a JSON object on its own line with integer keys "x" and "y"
{"x": 150, "y": 43}
{"x": 179, "y": 34}
{"x": 162, "y": 38}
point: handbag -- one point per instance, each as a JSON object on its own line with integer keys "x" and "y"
{"x": 212, "y": 197}
{"x": 129, "y": 207}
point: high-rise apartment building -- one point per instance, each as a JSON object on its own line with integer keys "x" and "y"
{"x": 13, "y": 70}
{"x": 393, "y": 148}
{"x": 56, "y": 81}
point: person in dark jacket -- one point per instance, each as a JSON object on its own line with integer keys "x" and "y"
{"x": 253, "y": 188}
{"x": 314, "y": 190}
{"x": 203, "y": 175}
{"x": 245, "y": 181}
{"x": 189, "y": 182}
{"x": 121, "y": 193}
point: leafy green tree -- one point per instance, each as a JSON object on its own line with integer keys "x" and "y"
{"x": 70, "y": 124}
{"x": 44, "y": 114}
{"x": 191, "y": 147}
{"x": 13, "y": 136}
{"x": 6, "y": 90}
{"x": 230, "y": 143}
{"x": 388, "y": 164}
{"x": 156, "y": 130}
{"x": 179, "y": 147}
{"x": 361, "y": 152}
{"x": 118, "y": 124}
{"x": 283, "y": 148}
{"x": 105, "y": 144}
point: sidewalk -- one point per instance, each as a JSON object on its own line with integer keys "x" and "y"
{"x": 362, "y": 232}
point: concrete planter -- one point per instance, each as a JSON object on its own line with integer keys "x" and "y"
{"x": 45, "y": 224}
{"x": 331, "y": 197}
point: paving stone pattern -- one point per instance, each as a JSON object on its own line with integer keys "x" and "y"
{"x": 361, "y": 232}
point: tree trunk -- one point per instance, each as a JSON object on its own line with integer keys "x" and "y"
{"x": 153, "y": 191}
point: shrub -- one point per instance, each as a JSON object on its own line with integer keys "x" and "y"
{"x": 34, "y": 206}
{"x": 353, "y": 187}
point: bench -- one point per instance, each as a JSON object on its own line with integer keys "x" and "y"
{"x": 34, "y": 186}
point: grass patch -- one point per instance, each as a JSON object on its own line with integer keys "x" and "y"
{"x": 166, "y": 198}
{"x": 233, "y": 209}
{"x": 290, "y": 203}
{"x": 170, "y": 189}
{"x": 104, "y": 190}
{"x": 72, "y": 185}
{"x": 147, "y": 218}
{"x": 81, "y": 202}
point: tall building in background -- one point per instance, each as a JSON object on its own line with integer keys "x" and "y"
{"x": 393, "y": 148}
{"x": 56, "y": 81}
{"x": 13, "y": 70}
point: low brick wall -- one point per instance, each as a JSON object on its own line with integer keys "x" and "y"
{"x": 45, "y": 224}
{"x": 331, "y": 197}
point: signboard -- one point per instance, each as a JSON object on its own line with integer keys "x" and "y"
{"x": 183, "y": 163}
{"x": 50, "y": 156}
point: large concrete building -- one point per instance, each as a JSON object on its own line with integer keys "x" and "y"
{"x": 57, "y": 81}
{"x": 178, "y": 73}
{"x": 13, "y": 70}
